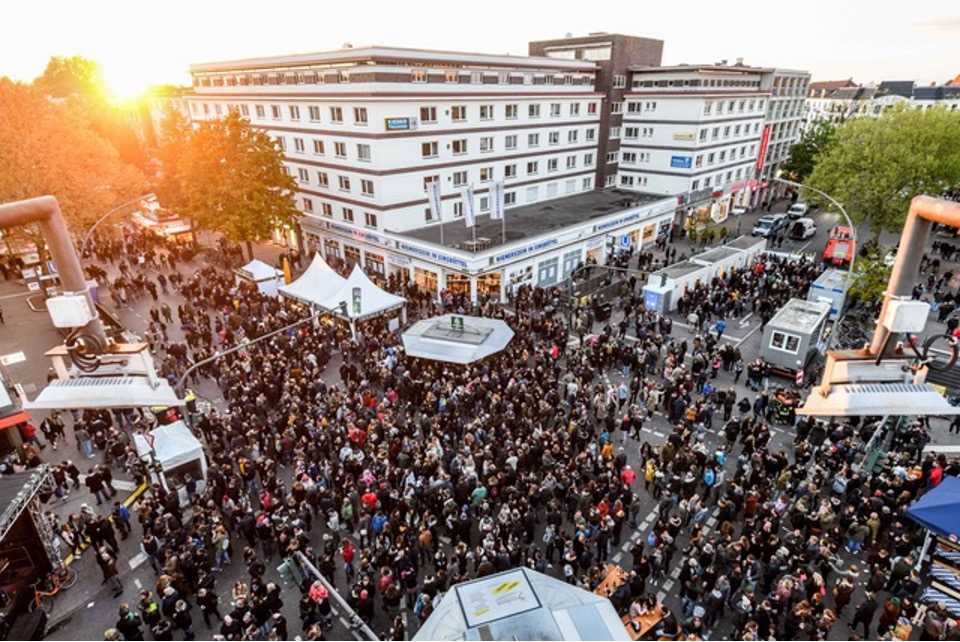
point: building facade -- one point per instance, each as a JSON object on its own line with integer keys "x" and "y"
{"x": 783, "y": 122}
{"x": 614, "y": 55}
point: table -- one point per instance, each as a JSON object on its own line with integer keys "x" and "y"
{"x": 614, "y": 579}
{"x": 645, "y": 623}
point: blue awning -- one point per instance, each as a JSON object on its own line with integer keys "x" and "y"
{"x": 939, "y": 509}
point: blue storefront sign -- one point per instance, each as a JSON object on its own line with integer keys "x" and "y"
{"x": 397, "y": 124}
{"x": 431, "y": 254}
{"x": 683, "y": 162}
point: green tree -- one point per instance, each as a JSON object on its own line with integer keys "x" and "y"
{"x": 72, "y": 76}
{"x": 227, "y": 177}
{"x": 803, "y": 155}
{"x": 876, "y": 165}
{"x": 48, "y": 148}
{"x": 870, "y": 276}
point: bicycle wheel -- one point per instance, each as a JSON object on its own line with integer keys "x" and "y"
{"x": 69, "y": 578}
{"x": 46, "y": 603}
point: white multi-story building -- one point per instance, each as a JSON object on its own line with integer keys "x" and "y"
{"x": 693, "y": 130}
{"x": 784, "y": 118}
{"x": 366, "y": 131}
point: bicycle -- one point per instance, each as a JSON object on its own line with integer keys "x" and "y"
{"x": 47, "y": 588}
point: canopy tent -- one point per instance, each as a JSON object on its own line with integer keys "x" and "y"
{"x": 316, "y": 285}
{"x": 456, "y": 338}
{"x": 363, "y": 298}
{"x": 177, "y": 451}
{"x": 266, "y": 277}
{"x": 939, "y": 509}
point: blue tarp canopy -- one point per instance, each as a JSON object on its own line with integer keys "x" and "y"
{"x": 939, "y": 509}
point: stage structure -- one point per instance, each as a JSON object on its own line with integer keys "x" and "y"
{"x": 455, "y": 338}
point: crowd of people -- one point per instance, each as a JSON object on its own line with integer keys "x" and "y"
{"x": 399, "y": 477}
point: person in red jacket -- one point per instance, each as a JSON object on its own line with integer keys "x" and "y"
{"x": 347, "y": 552}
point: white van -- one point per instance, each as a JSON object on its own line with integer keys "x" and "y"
{"x": 798, "y": 210}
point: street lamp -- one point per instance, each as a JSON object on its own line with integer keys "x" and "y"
{"x": 89, "y": 234}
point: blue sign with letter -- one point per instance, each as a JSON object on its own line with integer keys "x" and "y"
{"x": 683, "y": 162}
{"x": 397, "y": 124}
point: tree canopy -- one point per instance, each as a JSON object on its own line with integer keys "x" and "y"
{"x": 803, "y": 155}
{"x": 46, "y": 147}
{"x": 876, "y": 165}
{"x": 226, "y": 176}
{"x": 72, "y": 76}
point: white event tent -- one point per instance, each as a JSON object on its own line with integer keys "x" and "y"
{"x": 317, "y": 283}
{"x": 266, "y": 277}
{"x": 363, "y": 299}
{"x": 177, "y": 451}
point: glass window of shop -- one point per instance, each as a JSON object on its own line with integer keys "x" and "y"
{"x": 458, "y": 283}
{"x": 374, "y": 264}
{"x": 649, "y": 232}
{"x": 426, "y": 279}
{"x": 547, "y": 272}
{"x": 331, "y": 249}
{"x": 489, "y": 284}
{"x": 351, "y": 255}
{"x": 570, "y": 262}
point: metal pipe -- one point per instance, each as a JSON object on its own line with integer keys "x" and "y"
{"x": 45, "y": 211}
{"x": 357, "y": 625}
{"x": 924, "y": 211}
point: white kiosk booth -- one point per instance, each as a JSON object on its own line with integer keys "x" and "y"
{"x": 177, "y": 453}
{"x": 266, "y": 277}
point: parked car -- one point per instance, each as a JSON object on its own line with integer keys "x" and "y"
{"x": 840, "y": 246}
{"x": 798, "y": 210}
{"x": 802, "y": 229}
{"x": 769, "y": 224}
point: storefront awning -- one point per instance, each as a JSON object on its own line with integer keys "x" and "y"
{"x": 14, "y": 419}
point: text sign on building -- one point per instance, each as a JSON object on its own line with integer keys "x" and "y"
{"x": 764, "y": 142}
{"x": 683, "y": 162}
{"x": 397, "y": 124}
{"x": 688, "y": 136}
{"x": 525, "y": 250}
{"x": 431, "y": 254}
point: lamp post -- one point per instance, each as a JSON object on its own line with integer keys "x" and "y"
{"x": 103, "y": 217}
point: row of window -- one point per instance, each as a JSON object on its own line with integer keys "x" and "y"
{"x": 725, "y": 155}
{"x": 323, "y": 181}
{"x": 726, "y": 131}
{"x": 531, "y": 195}
{"x": 337, "y": 76}
{"x": 695, "y": 82}
{"x": 487, "y": 144}
{"x": 741, "y": 106}
{"x": 718, "y": 179}
{"x": 319, "y": 148}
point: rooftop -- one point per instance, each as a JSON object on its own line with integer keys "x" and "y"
{"x": 392, "y": 54}
{"x": 528, "y": 221}
{"x": 801, "y": 315}
{"x": 677, "y": 270}
{"x": 717, "y": 254}
{"x": 699, "y": 68}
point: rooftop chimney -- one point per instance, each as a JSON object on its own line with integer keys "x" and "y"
{"x": 739, "y": 62}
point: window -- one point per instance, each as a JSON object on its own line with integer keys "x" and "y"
{"x": 303, "y": 175}
{"x": 616, "y": 108}
{"x": 650, "y": 106}
{"x": 707, "y": 108}
{"x": 633, "y": 107}
{"x": 533, "y": 110}
{"x": 428, "y": 114}
{"x": 510, "y": 112}
{"x": 510, "y": 142}
{"x": 694, "y": 186}
{"x": 322, "y": 179}
{"x": 344, "y": 182}
{"x": 427, "y": 180}
{"x": 619, "y": 81}
{"x": 427, "y": 215}
{"x": 588, "y": 159}
{"x": 340, "y": 150}
{"x": 591, "y": 108}
{"x": 610, "y": 180}
{"x": 282, "y": 143}
{"x": 486, "y": 112}
{"x": 726, "y": 131}
{"x": 533, "y": 140}
{"x": 553, "y": 138}
{"x": 509, "y": 171}
{"x": 533, "y": 167}
{"x": 612, "y": 157}
{"x": 418, "y": 75}
{"x": 554, "y": 110}
{"x": 571, "y": 162}
{"x": 326, "y": 209}
{"x": 509, "y": 198}
{"x": 614, "y": 132}
{"x": 630, "y": 133}
{"x": 703, "y": 135}
{"x": 314, "y": 113}
{"x": 359, "y": 115}
{"x": 458, "y": 209}
{"x": 699, "y": 161}
{"x": 628, "y": 158}
{"x": 572, "y": 136}
{"x": 715, "y": 134}
{"x": 486, "y": 174}
{"x": 366, "y": 187}
{"x": 294, "y": 112}
{"x": 710, "y": 158}
{"x": 736, "y": 130}
{"x": 553, "y": 165}
{"x": 275, "y": 111}
{"x": 785, "y": 342}
{"x": 484, "y": 203}
{"x": 217, "y": 108}
{"x": 486, "y": 143}
{"x": 336, "y": 114}
{"x": 458, "y": 112}
{"x": 370, "y": 219}
{"x": 307, "y": 205}
{"x": 244, "y": 110}
{"x": 459, "y": 178}
{"x": 587, "y": 183}
{"x": 348, "y": 214}
{"x": 259, "y": 111}
{"x": 626, "y": 181}
{"x": 591, "y": 135}
{"x": 318, "y": 146}
{"x": 363, "y": 151}
{"x": 460, "y": 146}
{"x": 298, "y": 144}
{"x": 574, "y": 109}
{"x": 428, "y": 150}
{"x": 723, "y": 155}
{"x": 647, "y": 132}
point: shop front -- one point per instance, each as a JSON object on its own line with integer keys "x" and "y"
{"x": 488, "y": 285}
{"x": 425, "y": 279}
{"x": 374, "y": 265}
{"x": 286, "y": 236}
{"x": 458, "y": 283}
{"x": 331, "y": 251}
{"x": 351, "y": 255}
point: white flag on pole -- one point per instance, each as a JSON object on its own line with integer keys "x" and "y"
{"x": 436, "y": 203}
{"x": 469, "y": 215}
{"x": 496, "y": 200}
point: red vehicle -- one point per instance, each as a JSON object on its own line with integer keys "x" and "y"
{"x": 840, "y": 246}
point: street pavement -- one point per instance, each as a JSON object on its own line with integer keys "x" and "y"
{"x": 88, "y": 609}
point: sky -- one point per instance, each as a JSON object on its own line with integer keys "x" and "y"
{"x": 139, "y": 43}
